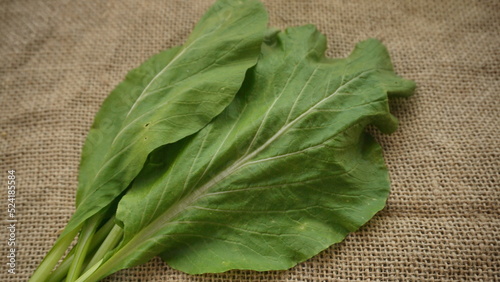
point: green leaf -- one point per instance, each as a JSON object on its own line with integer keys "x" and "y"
{"x": 170, "y": 96}
{"x": 283, "y": 173}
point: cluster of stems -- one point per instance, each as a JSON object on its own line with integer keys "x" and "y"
{"x": 97, "y": 238}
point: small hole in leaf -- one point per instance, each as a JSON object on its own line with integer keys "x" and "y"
{"x": 146, "y": 125}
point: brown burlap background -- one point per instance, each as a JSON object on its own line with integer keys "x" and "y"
{"x": 59, "y": 60}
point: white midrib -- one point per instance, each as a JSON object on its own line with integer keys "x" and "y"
{"x": 160, "y": 221}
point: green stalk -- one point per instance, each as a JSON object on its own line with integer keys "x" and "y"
{"x": 85, "y": 276}
{"x": 62, "y": 270}
{"x": 102, "y": 233}
{"x": 45, "y": 268}
{"x": 103, "y": 268}
{"x": 109, "y": 244}
{"x": 82, "y": 246}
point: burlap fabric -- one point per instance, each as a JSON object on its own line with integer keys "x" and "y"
{"x": 59, "y": 60}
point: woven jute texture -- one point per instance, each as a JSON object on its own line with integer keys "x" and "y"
{"x": 59, "y": 59}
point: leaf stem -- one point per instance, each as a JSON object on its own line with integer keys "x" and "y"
{"x": 85, "y": 276}
{"x": 43, "y": 271}
{"x": 108, "y": 266}
{"x": 82, "y": 246}
{"x": 62, "y": 270}
{"x": 115, "y": 235}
